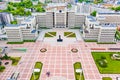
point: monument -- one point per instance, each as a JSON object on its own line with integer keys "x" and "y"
{"x": 59, "y": 40}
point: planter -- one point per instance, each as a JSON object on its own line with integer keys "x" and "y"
{"x": 43, "y": 50}
{"x": 74, "y": 50}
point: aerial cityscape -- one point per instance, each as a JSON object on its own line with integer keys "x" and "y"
{"x": 59, "y": 39}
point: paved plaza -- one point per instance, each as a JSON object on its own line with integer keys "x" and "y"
{"x": 58, "y": 60}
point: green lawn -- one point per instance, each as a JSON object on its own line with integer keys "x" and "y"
{"x": 112, "y": 67}
{"x": 90, "y": 40}
{"x": 77, "y": 65}
{"x": 106, "y": 78}
{"x": 37, "y": 74}
{"x": 15, "y": 60}
{"x": 72, "y": 35}
{"x": 75, "y": 28}
{"x": 21, "y": 42}
{"x": 15, "y": 42}
{"x": 29, "y": 40}
{"x": 43, "y": 28}
{"x": 67, "y": 33}
{"x": 106, "y": 42}
{"x": 47, "y": 35}
{"x": 52, "y": 33}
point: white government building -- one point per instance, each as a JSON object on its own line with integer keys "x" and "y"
{"x": 101, "y": 28}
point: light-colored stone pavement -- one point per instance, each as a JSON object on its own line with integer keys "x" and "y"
{"x": 58, "y": 59}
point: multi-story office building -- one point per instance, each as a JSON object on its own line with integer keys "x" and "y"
{"x": 21, "y": 32}
{"x": 20, "y": 19}
{"x": 30, "y": 21}
{"x": 60, "y": 19}
{"x": 6, "y": 18}
{"x": 93, "y": 30}
{"x": 3, "y": 5}
{"x": 107, "y": 33}
{"x": 14, "y": 33}
{"x": 18, "y": 33}
{"x": 108, "y": 17}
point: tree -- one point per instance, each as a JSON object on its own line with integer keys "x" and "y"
{"x": 27, "y": 13}
{"x": 93, "y": 13}
{"x": 10, "y": 8}
{"x": 6, "y": 57}
{"x": 14, "y": 22}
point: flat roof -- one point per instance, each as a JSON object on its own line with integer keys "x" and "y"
{"x": 56, "y": 4}
{"x": 109, "y": 25}
{"x": 91, "y": 18}
{"x": 29, "y": 18}
{"x": 15, "y": 25}
{"x": 109, "y": 12}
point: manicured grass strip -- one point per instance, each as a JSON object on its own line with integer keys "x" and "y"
{"x": 67, "y": 33}
{"x": 106, "y": 78}
{"x": 72, "y": 35}
{"x": 75, "y": 28}
{"x": 77, "y": 65}
{"x": 44, "y": 28}
{"x": 15, "y": 42}
{"x": 52, "y": 33}
{"x": 15, "y": 60}
{"x": 37, "y": 74}
{"x": 112, "y": 65}
{"x": 90, "y": 40}
{"x": 29, "y": 40}
{"x": 47, "y": 35}
{"x": 106, "y": 43}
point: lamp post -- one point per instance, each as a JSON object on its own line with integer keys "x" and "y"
{"x": 80, "y": 74}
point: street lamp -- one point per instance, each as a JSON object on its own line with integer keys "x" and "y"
{"x": 81, "y": 74}
{"x": 79, "y": 71}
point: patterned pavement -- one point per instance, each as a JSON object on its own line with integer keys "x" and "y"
{"x": 58, "y": 60}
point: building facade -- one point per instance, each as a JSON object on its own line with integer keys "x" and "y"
{"x": 94, "y": 30}
{"x": 21, "y": 32}
{"x": 60, "y": 19}
{"x": 6, "y": 18}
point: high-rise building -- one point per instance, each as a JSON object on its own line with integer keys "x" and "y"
{"x": 5, "y": 18}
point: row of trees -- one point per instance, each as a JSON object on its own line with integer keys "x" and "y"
{"x": 23, "y": 8}
{"x": 95, "y": 1}
{"x": 116, "y": 8}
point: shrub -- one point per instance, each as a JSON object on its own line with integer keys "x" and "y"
{"x": 102, "y": 63}
{"x": 0, "y": 63}
{"x": 106, "y": 78}
{"x": 6, "y": 57}
{"x": 2, "y": 68}
{"x": 103, "y": 57}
